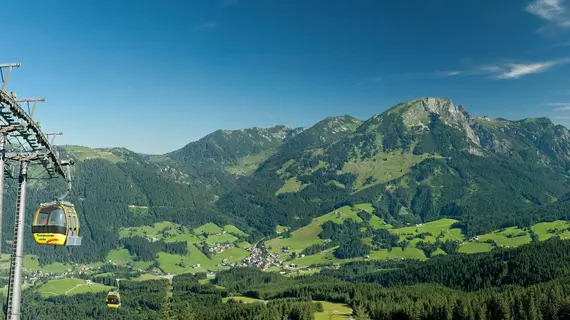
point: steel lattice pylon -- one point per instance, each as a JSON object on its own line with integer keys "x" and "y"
{"x": 28, "y": 145}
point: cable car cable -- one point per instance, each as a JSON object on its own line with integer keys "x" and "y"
{"x": 68, "y": 191}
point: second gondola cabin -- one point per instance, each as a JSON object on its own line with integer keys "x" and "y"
{"x": 56, "y": 223}
{"x": 113, "y": 300}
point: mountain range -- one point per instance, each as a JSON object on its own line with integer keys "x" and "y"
{"x": 419, "y": 161}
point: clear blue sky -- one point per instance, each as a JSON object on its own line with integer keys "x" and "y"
{"x": 154, "y": 75}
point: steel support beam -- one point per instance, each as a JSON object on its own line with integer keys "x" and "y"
{"x": 2, "y": 158}
{"x": 53, "y": 135}
{"x": 17, "y": 260}
{"x": 35, "y": 101}
{"x": 31, "y": 156}
{"x": 3, "y": 136}
{"x": 9, "y": 66}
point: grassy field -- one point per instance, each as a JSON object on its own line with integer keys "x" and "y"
{"x": 383, "y": 167}
{"x": 233, "y": 255}
{"x": 143, "y": 265}
{"x": 308, "y": 235}
{"x": 30, "y": 261}
{"x": 280, "y": 229}
{"x": 56, "y": 267}
{"x": 324, "y": 257}
{"x": 69, "y": 286}
{"x": 510, "y": 237}
{"x": 375, "y": 222}
{"x": 183, "y": 237}
{"x": 336, "y": 183}
{"x": 333, "y": 311}
{"x": 285, "y": 166}
{"x": 303, "y": 272}
{"x": 120, "y": 256}
{"x": 171, "y": 232}
{"x": 559, "y": 227}
{"x": 195, "y": 256}
{"x": 150, "y": 231}
{"x": 248, "y": 164}
{"x": 84, "y": 153}
{"x": 378, "y": 223}
{"x": 222, "y": 238}
{"x": 435, "y": 228}
{"x": 475, "y": 247}
{"x": 439, "y": 252}
{"x": 147, "y": 276}
{"x": 300, "y": 239}
{"x": 242, "y": 299}
{"x": 244, "y": 244}
{"x": 5, "y": 262}
{"x": 409, "y": 253}
{"x": 291, "y": 185}
{"x": 273, "y": 269}
{"x": 209, "y": 228}
{"x": 174, "y": 264}
{"x": 139, "y": 211}
{"x": 366, "y": 207}
{"x": 337, "y": 310}
{"x": 234, "y": 230}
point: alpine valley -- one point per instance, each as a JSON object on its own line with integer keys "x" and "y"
{"x": 424, "y": 178}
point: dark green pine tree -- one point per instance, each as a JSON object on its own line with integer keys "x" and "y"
{"x": 359, "y": 312}
{"x": 187, "y": 313}
{"x": 532, "y": 310}
{"x": 564, "y": 310}
{"x": 166, "y": 305}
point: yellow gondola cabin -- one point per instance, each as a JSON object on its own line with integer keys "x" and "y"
{"x": 56, "y": 223}
{"x": 113, "y": 300}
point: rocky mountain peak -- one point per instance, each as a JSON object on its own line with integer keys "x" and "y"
{"x": 420, "y": 113}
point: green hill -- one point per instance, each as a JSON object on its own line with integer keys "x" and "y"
{"x": 227, "y": 247}
{"x": 420, "y": 161}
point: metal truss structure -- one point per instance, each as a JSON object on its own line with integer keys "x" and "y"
{"x": 23, "y": 144}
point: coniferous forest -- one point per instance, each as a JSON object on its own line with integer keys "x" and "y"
{"x": 484, "y": 174}
{"x": 530, "y": 282}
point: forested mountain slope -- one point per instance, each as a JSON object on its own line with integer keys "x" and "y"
{"x": 419, "y": 161}
{"x": 416, "y": 162}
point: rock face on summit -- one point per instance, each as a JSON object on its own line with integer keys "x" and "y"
{"x": 419, "y": 112}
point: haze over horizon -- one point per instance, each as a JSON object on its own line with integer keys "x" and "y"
{"x": 109, "y": 70}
